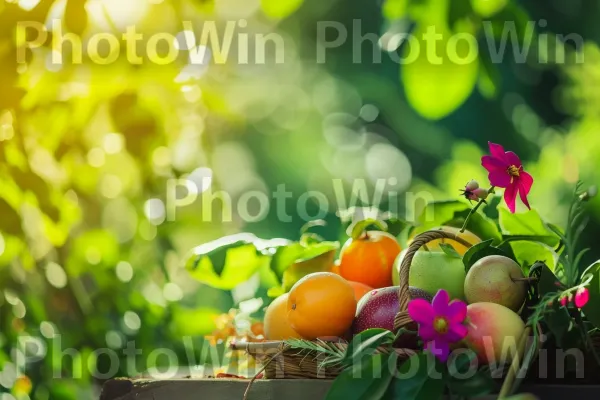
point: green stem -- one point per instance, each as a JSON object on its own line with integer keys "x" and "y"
{"x": 474, "y": 210}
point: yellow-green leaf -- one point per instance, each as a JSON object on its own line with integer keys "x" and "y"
{"x": 438, "y": 76}
{"x": 487, "y": 8}
{"x": 279, "y": 9}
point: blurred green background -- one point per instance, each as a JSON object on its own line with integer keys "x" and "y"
{"x": 87, "y": 151}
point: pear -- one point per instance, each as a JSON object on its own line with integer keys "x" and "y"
{"x": 496, "y": 279}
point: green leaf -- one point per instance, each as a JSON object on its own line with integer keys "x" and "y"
{"x": 449, "y": 250}
{"x": 368, "y": 379}
{"x": 357, "y": 228}
{"x": 395, "y": 9}
{"x": 292, "y": 262}
{"x": 280, "y": 9}
{"x": 284, "y": 257}
{"x": 395, "y": 226}
{"x": 592, "y": 308}
{"x": 224, "y": 263}
{"x": 526, "y": 224}
{"x": 436, "y": 214}
{"x": 548, "y": 281}
{"x": 491, "y": 209}
{"x": 436, "y": 87}
{"x": 479, "y": 224}
{"x": 478, "y": 384}
{"x": 366, "y": 342}
{"x": 479, "y": 251}
{"x": 216, "y": 251}
{"x": 453, "y": 213}
{"x": 527, "y": 253}
{"x": 557, "y": 318}
{"x": 418, "y": 379}
{"x": 487, "y": 8}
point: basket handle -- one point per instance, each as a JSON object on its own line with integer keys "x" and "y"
{"x": 402, "y": 319}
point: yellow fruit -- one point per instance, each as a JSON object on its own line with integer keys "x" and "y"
{"x": 321, "y": 304}
{"x": 276, "y": 324}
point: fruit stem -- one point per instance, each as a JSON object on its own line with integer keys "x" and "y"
{"x": 474, "y": 210}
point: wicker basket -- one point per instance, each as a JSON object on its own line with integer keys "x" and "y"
{"x": 282, "y": 362}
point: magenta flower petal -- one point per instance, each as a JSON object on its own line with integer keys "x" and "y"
{"x": 510, "y": 197}
{"x": 499, "y": 178}
{"x": 456, "y": 332}
{"x": 426, "y": 332}
{"x": 512, "y": 159}
{"x": 582, "y": 297}
{"x": 526, "y": 182}
{"x": 497, "y": 151}
{"x": 490, "y": 163}
{"x": 457, "y": 311}
{"x": 523, "y": 195}
{"x": 440, "y": 302}
{"x": 506, "y": 171}
{"x": 439, "y": 348}
{"x": 420, "y": 311}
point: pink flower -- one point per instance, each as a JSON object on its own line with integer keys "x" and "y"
{"x": 506, "y": 171}
{"x": 582, "y": 296}
{"x": 441, "y": 322}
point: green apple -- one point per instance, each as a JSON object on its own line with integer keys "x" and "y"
{"x": 434, "y": 270}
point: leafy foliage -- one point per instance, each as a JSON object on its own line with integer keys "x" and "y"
{"x": 479, "y": 251}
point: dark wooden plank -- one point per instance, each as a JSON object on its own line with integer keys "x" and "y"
{"x": 215, "y": 389}
{"x": 281, "y": 389}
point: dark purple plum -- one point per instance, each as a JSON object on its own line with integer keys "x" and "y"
{"x": 378, "y": 308}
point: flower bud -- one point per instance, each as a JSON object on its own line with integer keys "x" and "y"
{"x": 564, "y": 301}
{"x": 588, "y": 194}
{"x": 472, "y": 185}
{"x": 481, "y": 193}
{"x": 582, "y": 297}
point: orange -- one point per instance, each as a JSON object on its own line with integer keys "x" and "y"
{"x": 370, "y": 259}
{"x": 276, "y": 324}
{"x": 335, "y": 268}
{"x": 360, "y": 289}
{"x": 321, "y": 304}
{"x": 470, "y": 237}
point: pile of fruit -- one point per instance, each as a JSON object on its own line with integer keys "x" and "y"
{"x": 359, "y": 292}
{"x": 481, "y": 279}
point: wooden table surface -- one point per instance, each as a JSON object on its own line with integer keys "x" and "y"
{"x": 281, "y": 389}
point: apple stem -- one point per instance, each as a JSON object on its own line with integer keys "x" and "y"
{"x": 474, "y": 210}
{"x": 426, "y": 248}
